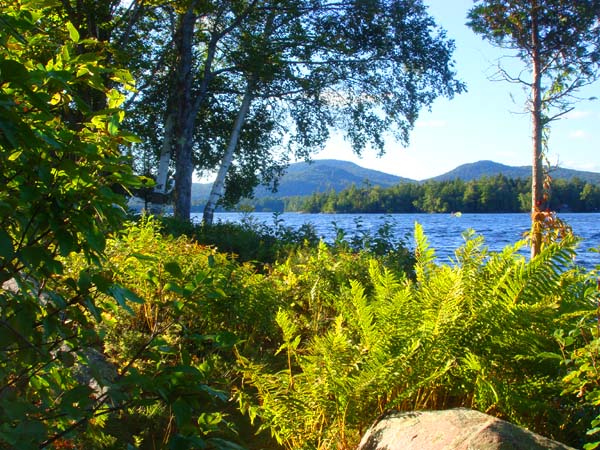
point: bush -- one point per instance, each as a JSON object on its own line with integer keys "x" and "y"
{"x": 478, "y": 333}
{"x": 174, "y": 349}
{"x": 62, "y": 166}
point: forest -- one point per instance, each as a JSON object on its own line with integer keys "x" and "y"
{"x": 487, "y": 195}
{"x": 120, "y": 331}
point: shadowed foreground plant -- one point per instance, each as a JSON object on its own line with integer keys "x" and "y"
{"x": 581, "y": 356}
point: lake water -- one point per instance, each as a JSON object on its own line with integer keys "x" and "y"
{"x": 442, "y": 230}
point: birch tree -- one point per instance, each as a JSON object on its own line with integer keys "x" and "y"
{"x": 351, "y": 66}
{"x": 559, "y": 43}
{"x": 366, "y": 68}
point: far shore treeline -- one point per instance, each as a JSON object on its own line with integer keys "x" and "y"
{"x": 497, "y": 194}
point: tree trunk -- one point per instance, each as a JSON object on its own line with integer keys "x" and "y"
{"x": 184, "y": 125}
{"x": 537, "y": 176}
{"x": 165, "y": 158}
{"x": 160, "y": 189}
{"x": 218, "y": 187}
{"x": 187, "y": 110}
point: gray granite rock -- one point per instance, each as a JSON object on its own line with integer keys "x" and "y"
{"x": 454, "y": 429}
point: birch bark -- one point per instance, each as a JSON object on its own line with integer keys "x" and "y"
{"x": 218, "y": 187}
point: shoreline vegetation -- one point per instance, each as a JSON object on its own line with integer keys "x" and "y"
{"x": 497, "y": 194}
{"x": 251, "y": 336}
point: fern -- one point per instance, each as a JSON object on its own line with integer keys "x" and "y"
{"x": 424, "y": 256}
{"x": 476, "y": 332}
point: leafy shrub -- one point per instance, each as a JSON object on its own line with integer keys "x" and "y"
{"x": 393, "y": 251}
{"x": 253, "y": 240}
{"x": 249, "y": 240}
{"x": 60, "y": 162}
{"x": 581, "y": 356}
{"x": 174, "y": 350}
{"x": 477, "y": 333}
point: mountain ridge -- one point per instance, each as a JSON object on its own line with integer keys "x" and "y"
{"x": 478, "y": 169}
{"x": 322, "y": 175}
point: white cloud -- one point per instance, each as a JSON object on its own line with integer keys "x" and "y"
{"x": 431, "y": 123}
{"x": 578, "y": 114}
{"x": 579, "y": 134}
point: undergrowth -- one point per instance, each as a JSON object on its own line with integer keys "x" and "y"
{"x": 306, "y": 351}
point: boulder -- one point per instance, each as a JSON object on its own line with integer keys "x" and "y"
{"x": 456, "y": 429}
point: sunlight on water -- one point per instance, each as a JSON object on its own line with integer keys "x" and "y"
{"x": 444, "y": 231}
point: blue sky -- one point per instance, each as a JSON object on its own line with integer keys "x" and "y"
{"x": 487, "y": 122}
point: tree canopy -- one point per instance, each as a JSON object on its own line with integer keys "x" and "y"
{"x": 366, "y": 68}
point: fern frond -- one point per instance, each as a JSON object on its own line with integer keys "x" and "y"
{"x": 472, "y": 252}
{"x": 424, "y": 256}
{"x": 537, "y": 278}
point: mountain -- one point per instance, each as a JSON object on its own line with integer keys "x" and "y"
{"x": 476, "y": 170}
{"x": 325, "y": 174}
{"x": 479, "y": 169}
{"x": 320, "y": 175}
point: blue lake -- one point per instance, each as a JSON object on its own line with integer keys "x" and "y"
{"x": 444, "y": 231}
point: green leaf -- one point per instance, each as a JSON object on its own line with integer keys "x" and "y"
{"x": 95, "y": 239}
{"x": 15, "y": 155}
{"x": 101, "y": 282}
{"x": 93, "y": 309}
{"x": 143, "y": 257}
{"x": 215, "y": 393}
{"x": 122, "y": 295}
{"x": 85, "y": 281}
{"x": 226, "y": 340}
{"x": 113, "y": 126}
{"x": 211, "y": 261}
{"x": 175, "y": 288}
{"x": 182, "y": 411}
{"x": 128, "y": 137}
{"x": 66, "y": 242}
{"x": 174, "y": 269}
{"x": 210, "y": 421}
{"x": 6, "y": 247}
{"x": 76, "y": 398}
{"x": 13, "y": 71}
{"x": 34, "y": 256}
{"x": 73, "y": 33}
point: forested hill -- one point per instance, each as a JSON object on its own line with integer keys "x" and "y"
{"x": 320, "y": 175}
{"x": 326, "y": 174}
{"x": 303, "y": 179}
{"x": 479, "y": 169}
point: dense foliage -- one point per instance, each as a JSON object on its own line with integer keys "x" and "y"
{"x": 60, "y": 166}
{"x": 486, "y": 195}
{"x": 477, "y": 333}
{"x": 118, "y": 334}
{"x": 314, "y": 346}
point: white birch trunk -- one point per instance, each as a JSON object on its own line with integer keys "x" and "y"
{"x": 160, "y": 188}
{"x": 218, "y": 187}
{"x": 165, "y": 157}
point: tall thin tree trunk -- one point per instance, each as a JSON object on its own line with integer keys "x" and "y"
{"x": 537, "y": 176}
{"x": 218, "y": 187}
{"x": 187, "y": 109}
{"x": 165, "y": 156}
{"x": 160, "y": 188}
{"x": 184, "y": 126}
